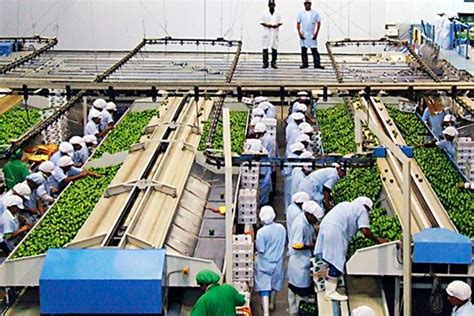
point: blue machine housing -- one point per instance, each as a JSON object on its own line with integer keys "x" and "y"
{"x": 441, "y": 246}
{"x": 102, "y": 281}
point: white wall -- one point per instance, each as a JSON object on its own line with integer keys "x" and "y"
{"x": 120, "y": 24}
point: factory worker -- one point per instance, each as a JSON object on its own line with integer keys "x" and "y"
{"x": 98, "y": 105}
{"x": 268, "y": 108}
{"x": 108, "y": 116}
{"x": 65, "y": 149}
{"x": 296, "y": 150}
{"x": 446, "y": 31}
{"x": 46, "y": 191}
{"x": 91, "y": 143}
{"x": 295, "y": 209}
{"x": 20, "y": 189}
{"x": 308, "y": 24}
{"x": 265, "y": 184}
{"x": 258, "y": 100}
{"x": 270, "y": 247}
{"x": 433, "y": 119}
{"x": 299, "y": 107}
{"x": 299, "y": 173}
{"x": 258, "y": 112}
{"x": 15, "y": 170}
{"x": 303, "y": 97}
{"x": 363, "y": 311}
{"x": 320, "y": 183}
{"x": 305, "y": 140}
{"x": 305, "y": 128}
{"x": 448, "y": 120}
{"x": 35, "y": 181}
{"x": 93, "y": 126}
{"x": 271, "y": 22}
{"x": 336, "y": 230}
{"x": 80, "y": 156}
{"x": 300, "y": 281}
{"x": 65, "y": 173}
{"x": 447, "y": 144}
{"x": 438, "y": 26}
{"x": 293, "y": 122}
{"x": 459, "y": 295}
{"x": 254, "y": 146}
{"x": 10, "y": 223}
{"x": 268, "y": 141}
{"x": 218, "y": 299}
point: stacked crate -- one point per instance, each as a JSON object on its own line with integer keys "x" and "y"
{"x": 242, "y": 251}
{"x": 248, "y": 195}
{"x": 465, "y": 156}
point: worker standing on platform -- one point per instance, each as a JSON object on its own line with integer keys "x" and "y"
{"x": 217, "y": 299}
{"x": 434, "y": 114}
{"x": 10, "y": 223}
{"x": 336, "y": 230}
{"x": 447, "y": 144}
{"x": 308, "y": 24}
{"x": 15, "y": 170}
{"x": 320, "y": 183}
{"x": 438, "y": 26}
{"x": 459, "y": 295}
{"x": 300, "y": 281}
{"x": 271, "y": 22}
{"x": 270, "y": 246}
{"x": 295, "y": 209}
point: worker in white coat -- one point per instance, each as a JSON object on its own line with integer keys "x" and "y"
{"x": 299, "y": 107}
{"x": 268, "y": 108}
{"x": 268, "y": 141}
{"x": 258, "y": 112}
{"x": 10, "y": 223}
{"x": 300, "y": 281}
{"x": 295, "y": 209}
{"x": 445, "y": 35}
{"x": 299, "y": 173}
{"x": 80, "y": 156}
{"x": 294, "y": 120}
{"x": 438, "y": 26}
{"x": 91, "y": 143}
{"x": 65, "y": 149}
{"x": 363, "y": 311}
{"x": 308, "y": 24}
{"x": 271, "y": 22}
{"x": 46, "y": 191}
{"x": 305, "y": 128}
{"x": 336, "y": 230}
{"x": 65, "y": 173}
{"x": 459, "y": 295}
{"x": 93, "y": 126}
{"x": 447, "y": 144}
{"x": 108, "y": 116}
{"x": 98, "y": 105}
{"x": 270, "y": 247}
{"x": 296, "y": 150}
{"x": 35, "y": 181}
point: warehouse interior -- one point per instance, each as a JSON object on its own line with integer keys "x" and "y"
{"x": 200, "y": 157}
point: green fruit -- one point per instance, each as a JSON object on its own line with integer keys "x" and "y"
{"x": 16, "y": 122}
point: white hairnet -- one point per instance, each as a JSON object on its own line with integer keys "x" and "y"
{"x": 258, "y": 112}
{"x": 75, "y": 140}
{"x": 66, "y": 148}
{"x": 13, "y": 200}
{"x": 297, "y": 116}
{"x": 450, "y": 131}
{"x": 449, "y": 118}
{"x": 306, "y": 128}
{"x": 100, "y": 104}
{"x": 363, "y": 311}
{"x": 36, "y": 178}
{"x": 95, "y": 114}
{"x": 23, "y": 189}
{"x": 313, "y": 208}
{"x": 265, "y": 105}
{"x": 460, "y": 290}
{"x": 363, "y": 200}
{"x": 90, "y": 139}
{"x": 306, "y": 154}
{"x": 296, "y": 147}
{"x": 260, "y": 128}
{"x": 300, "y": 197}
{"x": 46, "y": 166}
{"x": 301, "y": 107}
{"x": 111, "y": 106}
{"x": 303, "y": 138}
{"x": 267, "y": 214}
{"x": 255, "y": 120}
{"x": 260, "y": 99}
{"x": 65, "y": 161}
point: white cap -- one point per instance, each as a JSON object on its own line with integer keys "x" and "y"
{"x": 306, "y": 128}
{"x": 258, "y": 112}
{"x": 260, "y": 99}
{"x": 363, "y": 311}
{"x": 459, "y": 290}
{"x": 452, "y": 15}
{"x": 260, "y": 128}
{"x": 313, "y": 208}
{"x": 255, "y": 120}
{"x": 296, "y": 147}
{"x": 303, "y": 138}
{"x": 90, "y": 139}
{"x": 66, "y": 148}
{"x": 23, "y": 189}
{"x": 76, "y": 140}
{"x": 450, "y": 131}
{"x": 267, "y": 214}
{"x": 297, "y": 116}
{"x": 300, "y": 197}
{"x": 37, "y": 178}
{"x": 65, "y": 161}
{"x": 111, "y": 106}
{"x": 254, "y": 146}
{"x": 307, "y": 154}
{"x": 100, "y": 104}
{"x": 300, "y": 107}
{"x": 265, "y": 105}
{"x": 13, "y": 200}
{"x": 95, "y": 114}
{"x": 449, "y": 118}
{"x": 46, "y": 166}
{"x": 307, "y": 1}
{"x": 363, "y": 200}
{"x": 302, "y": 94}
{"x": 335, "y": 165}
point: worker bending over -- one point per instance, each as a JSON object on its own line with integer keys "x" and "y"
{"x": 447, "y": 144}
{"x": 93, "y": 126}
{"x": 217, "y": 299}
{"x": 270, "y": 247}
{"x": 459, "y": 295}
{"x": 65, "y": 172}
{"x": 65, "y": 149}
{"x": 10, "y": 223}
{"x": 15, "y": 170}
{"x": 336, "y": 230}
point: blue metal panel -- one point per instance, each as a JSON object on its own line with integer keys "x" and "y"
{"x": 408, "y": 151}
{"x": 441, "y": 246}
{"x": 6, "y": 48}
{"x": 102, "y": 281}
{"x": 380, "y": 152}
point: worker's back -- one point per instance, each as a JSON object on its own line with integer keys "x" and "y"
{"x": 219, "y": 300}
{"x": 345, "y": 216}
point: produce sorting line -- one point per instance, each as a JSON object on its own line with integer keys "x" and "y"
{"x": 427, "y": 208}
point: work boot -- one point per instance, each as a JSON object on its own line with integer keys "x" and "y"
{"x": 272, "y": 300}
{"x": 274, "y": 58}
{"x": 318, "y": 67}
{"x": 332, "y": 294}
{"x": 265, "y": 305}
{"x": 303, "y": 66}
{"x": 292, "y": 303}
{"x": 265, "y": 58}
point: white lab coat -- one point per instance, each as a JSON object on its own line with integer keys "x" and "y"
{"x": 302, "y": 234}
{"x": 316, "y": 181}
{"x": 438, "y": 25}
{"x": 464, "y": 310}
{"x": 91, "y": 128}
{"x": 308, "y": 21}
{"x": 292, "y": 212}
{"x": 8, "y": 224}
{"x": 270, "y": 37}
{"x": 445, "y": 31}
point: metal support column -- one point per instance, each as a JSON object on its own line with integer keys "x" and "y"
{"x": 406, "y": 188}
{"x": 228, "y": 196}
